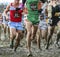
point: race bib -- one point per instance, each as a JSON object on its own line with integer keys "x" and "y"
{"x": 33, "y": 6}
{"x": 16, "y": 15}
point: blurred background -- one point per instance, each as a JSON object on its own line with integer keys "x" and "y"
{"x": 4, "y": 3}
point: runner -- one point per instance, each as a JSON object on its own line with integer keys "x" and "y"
{"x": 58, "y": 31}
{"x": 5, "y": 25}
{"x": 0, "y": 24}
{"x": 58, "y": 35}
{"x": 15, "y": 25}
{"x": 43, "y": 25}
{"x": 32, "y": 21}
{"x": 55, "y": 19}
{"x": 42, "y": 30}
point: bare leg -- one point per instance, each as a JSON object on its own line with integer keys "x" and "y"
{"x": 44, "y": 34}
{"x": 5, "y": 27}
{"x": 38, "y": 38}
{"x": 58, "y": 37}
{"x": 8, "y": 32}
{"x": 50, "y": 36}
{"x": 29, "y": 31}
{"x": 19, "y": 36}
{"x": 12, "y": 36}
{"x": 34, "y": 30}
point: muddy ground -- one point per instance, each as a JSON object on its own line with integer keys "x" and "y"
{"x": 5, "y": 50}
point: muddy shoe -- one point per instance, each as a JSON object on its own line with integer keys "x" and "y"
{"x": 46, "y": 47}
{"x": 29, "y": 54}
{"x": 20, "y": 45}
{"x": 11, "y": 46}
{"x": 56, "y": 45}
{"x": 38, "y": 50}
{"x": 15, "y": 50}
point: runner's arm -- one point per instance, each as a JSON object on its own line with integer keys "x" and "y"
{"x": 23, "y": 1}
{"x": 6, "y": 10}
{"x": 39, "y": 7}
{"x": 25, "y": 10}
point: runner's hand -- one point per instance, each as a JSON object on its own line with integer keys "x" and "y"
{"x": 7, "y": 18}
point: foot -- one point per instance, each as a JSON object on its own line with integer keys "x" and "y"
{"x": 11, "y": 46}
{"x": 15, "y": 49}
{"x": 20, "y": 45}
{"x": 57, "y": 45}
{"x": 47, "y": 47}
{"x": 29, "y": 54}
{"x": 39, "y": 49}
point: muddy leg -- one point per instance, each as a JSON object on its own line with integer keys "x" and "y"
{"x": 50, "y": 36}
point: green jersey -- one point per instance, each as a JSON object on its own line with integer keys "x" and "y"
{"x": 33, "y": 15}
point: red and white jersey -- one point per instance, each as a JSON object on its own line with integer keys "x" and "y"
{"x": 13, "y": 12}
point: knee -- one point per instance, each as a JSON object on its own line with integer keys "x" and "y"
{"x": 44, "y": 35}
{"x": 38, "y": 35}
{"x": 18, "y": 39}
{"x": 51, "y": 33}
{"x": 34, "y": 33}
{"x": 5, "y": 26}
{"x": 29, "y": 32}
{"x": 20, "y": 33}
{"x": 38, "y": 38}
{"x": 12, "y": 35}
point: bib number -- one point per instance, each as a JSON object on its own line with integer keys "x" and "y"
{"x": 16, "y": 15}
{"x": 33, "y": 6}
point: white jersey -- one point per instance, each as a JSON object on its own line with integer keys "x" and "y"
{"x": 43, "y": 24}
{"x": 44, "y": 7}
